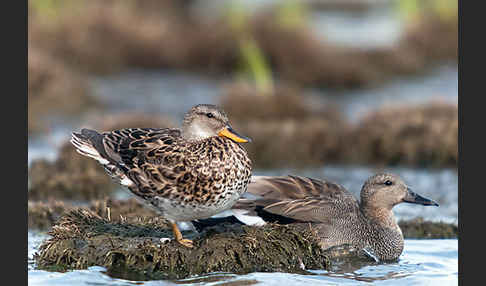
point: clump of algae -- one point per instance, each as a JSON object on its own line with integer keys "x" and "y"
{"x": 81, "y": 238}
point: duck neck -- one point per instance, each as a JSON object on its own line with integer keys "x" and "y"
{"x": 380, "y": 216}
{"x": 386, "y": 240}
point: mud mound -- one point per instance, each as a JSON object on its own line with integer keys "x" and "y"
{"x": 414, "y": 135}
{"x": 71, "y": 176}
{"x": 43, "y": 215}
{"x": 53, "y": 88}
{"x": 82, "y": 239}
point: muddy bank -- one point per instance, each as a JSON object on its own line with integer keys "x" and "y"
{"x": 114, "y": 121}
{"x": 109, "y": 36}
{"x": 76, "y": 177}
{"x": 101, "y": 37}
{"x": 71, "y": 176}
{"x": 423, "y": 135}
{"x": 134, "y": 250}
{"x": 43, "y": 215}
{"x": 288, "y": 131}
{"x": 82, "y": 239}
{"x": 419, "y": 228}
{"x": 54, "y": 88}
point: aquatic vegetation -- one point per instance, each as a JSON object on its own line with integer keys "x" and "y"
{"x": 415, "y": 10}
{"x": 289, "y": 131}
{"x": 69, "y": 177}
{"x": 422, "y": 135}
{"x": 54, "y": 88}
{"x": 82, "y": 239}
{"x": 100, "y": 36}
{"x": 292, "y": 14}
{"x": 419, "y": 228}
{"x": 252, "y": 57}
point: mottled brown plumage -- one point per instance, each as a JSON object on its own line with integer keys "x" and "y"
{"x": 333, "y": 211}
{"x": 183, "y": 174}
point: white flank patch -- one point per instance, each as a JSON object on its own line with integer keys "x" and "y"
{"x": 126, "y": 181}
{"x": 224, "y": 213}
{"x": 185, "y": 225}
{"x": 248, "y": 219}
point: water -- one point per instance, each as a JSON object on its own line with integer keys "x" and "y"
{"x": 378, "y": 27}
{"x": 423, "y": 262}
{"x": 167, "y": 92}
{"x": 440, "y": 84}
{"x": 173, "y": 93}
{"x": 374, "y": 28}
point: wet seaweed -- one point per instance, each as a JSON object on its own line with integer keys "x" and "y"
{"x": 423, "y": 135}
{"x": 82, "y": 238}
{"x": 142, "y": 249}
{"x": 420, "y": 228}
{"x": 70, "y": 176}
{"x": 54, "y": 89}
{"x": 102, "y": 38}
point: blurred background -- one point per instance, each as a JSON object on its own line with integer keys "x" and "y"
{"x": 336, "y": 89}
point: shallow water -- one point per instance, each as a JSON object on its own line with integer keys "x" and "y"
{"x": 377, "y": 27}
{"x": 440, "y": 85}
{"x": 423, "y": 262}
{"x": 173, "y": 93}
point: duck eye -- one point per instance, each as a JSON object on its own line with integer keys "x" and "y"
{"x": 209, "y": 115}
{"x": 388, "y": 183}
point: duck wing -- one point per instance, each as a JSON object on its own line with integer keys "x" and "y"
{"x": 147, "y": 160}
{"x": 135, "y": 146}
{"x": 299, "y": 198}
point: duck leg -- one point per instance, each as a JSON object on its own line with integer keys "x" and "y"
{"x": 178, "y": 236}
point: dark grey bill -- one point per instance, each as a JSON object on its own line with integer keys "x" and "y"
{"x": 414, "y": 198}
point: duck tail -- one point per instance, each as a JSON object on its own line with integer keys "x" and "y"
{"x": 90, "y": 144}
{"x": 87, "y": 143}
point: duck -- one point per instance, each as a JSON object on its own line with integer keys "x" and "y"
{"x": 329, "y": 209}
{"x": 183, "y": 174}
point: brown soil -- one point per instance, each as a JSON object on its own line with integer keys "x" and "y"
{"x": 414, "y": 135}
{"x": 418, "y": 228}
{"x": 82, "y": 239}
{"x": 70, "y": 176}
{"x": 107, "y": 36}
{"x": 53, "y": 88}
{"x": 129, "y": 120}
{"x": 288, "y": 131}
{"x": 43, "y": 215}
{"x": 134, "y": 249}
{"x": 285, "y": 130}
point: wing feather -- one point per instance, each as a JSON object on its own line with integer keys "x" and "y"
{"x": 299, "y": 198}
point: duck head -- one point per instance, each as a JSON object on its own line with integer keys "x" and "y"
{"x": 206, "y": 120}
{"x": 387, "y": 190}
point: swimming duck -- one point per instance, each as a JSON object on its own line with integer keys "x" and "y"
{"x": 183, "y": 174}
{"x": 332, "y": 211}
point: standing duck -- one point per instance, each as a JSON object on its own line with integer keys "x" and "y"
{"x": 183, "y": 175}
{"x": 332, "y": 211}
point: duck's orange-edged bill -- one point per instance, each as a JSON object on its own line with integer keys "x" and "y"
{"x": 233, "y": 135}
